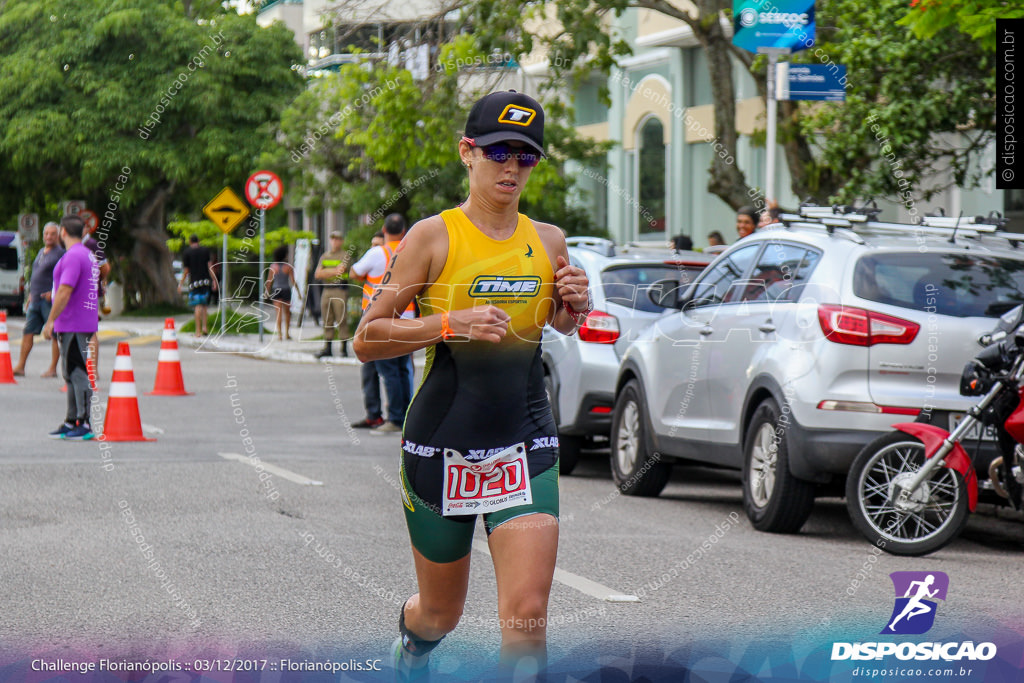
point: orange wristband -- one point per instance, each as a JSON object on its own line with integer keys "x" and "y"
{"x": 446, "y": 331}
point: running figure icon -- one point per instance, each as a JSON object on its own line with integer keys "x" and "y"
{"x": 915, "y": 606}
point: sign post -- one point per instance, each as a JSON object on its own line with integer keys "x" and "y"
{"x": 823, "y": 82}
{"x": 226, "y": 210}
{"x": 263, "y": 190}
{"x": 788, "y": 27}
{"x": 772, "y": 113}
{"x": 28, "y": 227}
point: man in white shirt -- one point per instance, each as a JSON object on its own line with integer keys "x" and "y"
{"x": 396, "y": 372}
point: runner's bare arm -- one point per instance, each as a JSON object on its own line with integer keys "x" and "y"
{"x": 417, "y": 263}
{"x": 571, "y": 283}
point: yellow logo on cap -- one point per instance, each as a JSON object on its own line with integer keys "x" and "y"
{"x": 516, "y": 115}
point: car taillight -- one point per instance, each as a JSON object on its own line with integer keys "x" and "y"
{"x": 600, "y": 328}
{"x": 860, "y": 327}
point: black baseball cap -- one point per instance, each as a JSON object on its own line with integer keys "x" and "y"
{"x": 506, "y": 115}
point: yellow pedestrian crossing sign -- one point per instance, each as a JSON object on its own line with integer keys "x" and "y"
{"x": 226, "y": 210}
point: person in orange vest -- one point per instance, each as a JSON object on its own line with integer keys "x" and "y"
{"x": 396, "y": 372}
{"x": 368, "y": 372}
{"x": 479, "y": 438}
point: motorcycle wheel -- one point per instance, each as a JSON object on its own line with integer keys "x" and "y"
{"x": 934, "y": 515}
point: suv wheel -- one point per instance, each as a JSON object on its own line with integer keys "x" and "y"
{"x": 773, "y": 498}
{"x": 568, "y": 446}
{"x": 636, "y": 471}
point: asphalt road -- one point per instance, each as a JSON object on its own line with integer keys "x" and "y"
{"x": 309, "y": 558}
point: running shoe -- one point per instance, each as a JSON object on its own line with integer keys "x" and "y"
{"x": 61, "y": 431}
{"x": 367, "y": 423}
{"x": 409, "y": 668}
{"x": 388, "y": 428}
{"x": 80, "y": 433}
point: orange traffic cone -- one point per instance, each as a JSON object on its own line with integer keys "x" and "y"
{"x": 6, "y": 369}
{"x": 123, "y": 422}
{"x": 169, "y": 381}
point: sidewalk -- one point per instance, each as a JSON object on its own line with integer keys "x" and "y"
{"x": 305, "y": 343}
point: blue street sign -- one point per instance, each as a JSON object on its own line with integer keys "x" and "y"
{"x": 811, "y": 82}
{"x": 779, "y": 24}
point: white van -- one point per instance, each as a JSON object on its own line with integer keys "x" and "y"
{"x": 12, "y": 272}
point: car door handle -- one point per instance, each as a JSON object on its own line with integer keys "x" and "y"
{"x": 766, "y": 327}
{"x": 706, "y": 330}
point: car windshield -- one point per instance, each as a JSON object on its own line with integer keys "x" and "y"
{"x": 960, "y": 285}
{"x": 628, "y": 285}
{"x": 8, "y": 258}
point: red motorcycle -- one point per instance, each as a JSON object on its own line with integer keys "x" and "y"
{"x": 910, "y": 491}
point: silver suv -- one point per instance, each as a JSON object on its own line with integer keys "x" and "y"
{"x": 803, "y": 342}
{"x": 580, "y": 370}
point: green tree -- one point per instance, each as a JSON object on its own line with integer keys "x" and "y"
{"x": 374, "y": 140}
{"x": 974, "y": 18}
{"x": 893, "y": 73}
{"x": 932, "y": 100}
{"x": 143, "y": 108}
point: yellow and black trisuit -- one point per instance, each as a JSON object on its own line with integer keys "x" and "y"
{"x": 479, "y": 437}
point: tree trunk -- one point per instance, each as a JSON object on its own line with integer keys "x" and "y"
{"x": 726, "y": 180}
{"x": 149, "y": 275}
{"x": 151, "y": 268}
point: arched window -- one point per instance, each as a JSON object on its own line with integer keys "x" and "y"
{"x": 651, "y": 178}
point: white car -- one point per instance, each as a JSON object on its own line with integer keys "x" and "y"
{"x": 12, "y": 273}
{"x": 580, "y": 370}
{"x": 802, "y": 343}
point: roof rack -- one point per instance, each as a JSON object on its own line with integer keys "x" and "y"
{"x": 853, "y": 220}
{"x": 600, "y": 245}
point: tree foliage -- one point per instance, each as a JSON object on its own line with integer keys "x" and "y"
{"x": 138, "y": 109}
{"x": 932, "y": 100}
{"x": 923, "y": 89}
{"x": 974, "y": 18}
{"x": 374, "y": 140}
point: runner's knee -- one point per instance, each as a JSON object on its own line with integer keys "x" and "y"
{"x": 524, "y": 613}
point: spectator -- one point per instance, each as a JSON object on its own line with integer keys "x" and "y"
{"x": 769, "y": 214}
{"x": 279, "y": 286}
{"x": 331, "y": 272}
{"x": 715, "y": 239}
{"x": 746, "y": 221}
{"x": 73, "y": 319}
{"x": 100, "y": 257}
{"x": 396, "y": 372}
{"x": 197, "y": 270}
{"x": 313, "y": 297}
{"x": 681, "y": 243}
{"x": 368, "y": 372}
{"x": 40, "y": 299}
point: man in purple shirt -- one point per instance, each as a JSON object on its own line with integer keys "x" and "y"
{"x": 74, "y": 319}
{"x": 38, "y": 310}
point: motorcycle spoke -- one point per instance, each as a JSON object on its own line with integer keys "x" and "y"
{"x": 876, "y": 489}
{"x": 902, "y": 521}
{"x": 923, "y": 525}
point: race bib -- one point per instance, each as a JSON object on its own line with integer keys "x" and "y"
{"x": 495, "y": 483}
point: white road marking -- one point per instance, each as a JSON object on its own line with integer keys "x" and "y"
{"x": 273, "y": 469}
{"x": 580, "y": 583}
{"x": 151, "y": 429}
